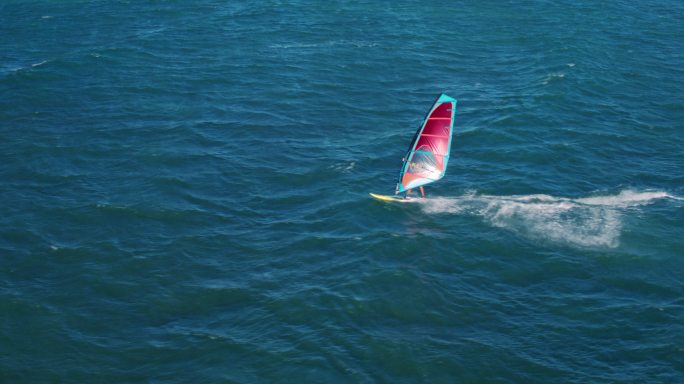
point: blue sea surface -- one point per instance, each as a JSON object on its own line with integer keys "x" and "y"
{"x": 184, "y": 192}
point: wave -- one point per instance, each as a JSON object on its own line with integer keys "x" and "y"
{"x": 344, "y": 43}
{"x": 594, "y": 221}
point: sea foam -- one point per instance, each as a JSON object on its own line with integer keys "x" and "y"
{"x": 594, "y": 221}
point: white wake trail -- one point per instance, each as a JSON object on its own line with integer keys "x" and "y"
{"x": 594, "y": 221}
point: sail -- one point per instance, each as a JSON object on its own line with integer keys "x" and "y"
{"x": 428, "y": 155}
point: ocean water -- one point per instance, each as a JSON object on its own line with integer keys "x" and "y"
{"x": 184, "y": 192}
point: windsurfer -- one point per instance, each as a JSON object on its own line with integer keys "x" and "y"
{"x": 422, "y": 192}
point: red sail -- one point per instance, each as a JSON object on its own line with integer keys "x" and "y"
{"x": 428, "y": 155}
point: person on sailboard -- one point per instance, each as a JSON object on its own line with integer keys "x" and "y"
{"x": 413, "y": 166}
{"x": 422, "y": 192}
